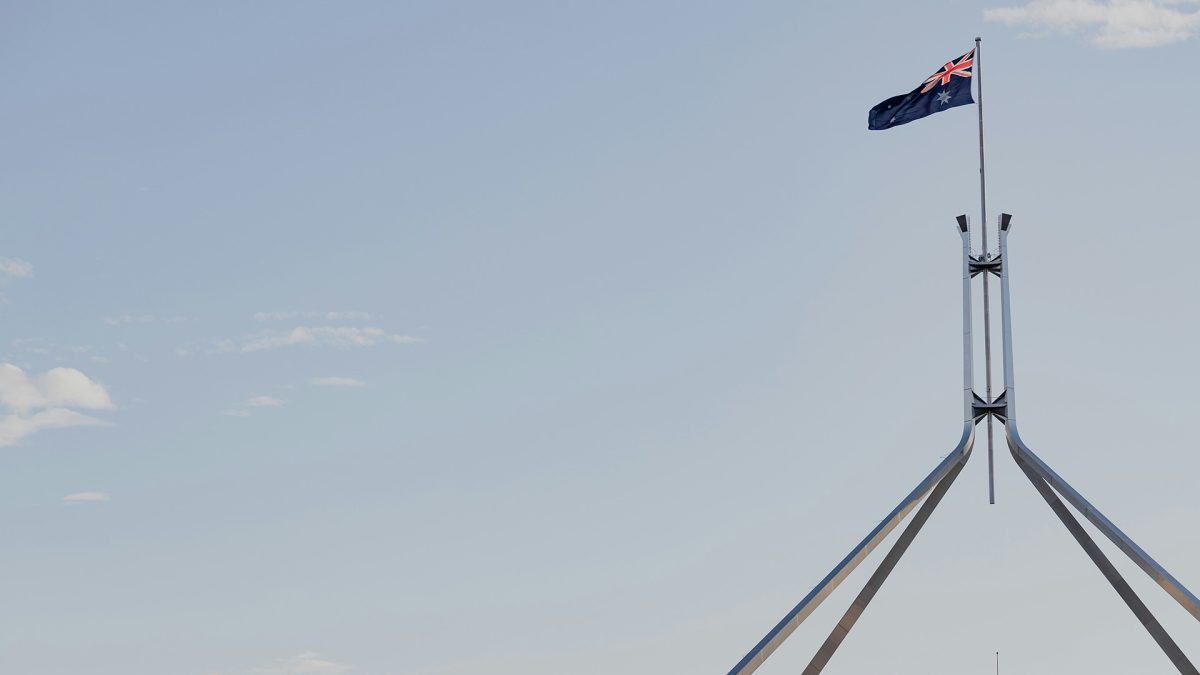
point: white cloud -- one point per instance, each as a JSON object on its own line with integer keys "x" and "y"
{"x": 123, "y": 319}
{"x": 1111, "y": 24}
{"x": 323, "y": 316}
{"x": 337, "y": 382}
{"x": 85, "y": 497}
{"x": 307, "y": 663}
{"x": 57, "y": 387}
{"x": 13, "y": 428}
{"x": 243, "y": 409}
{"x": 15, "y": 268}
{"x": 313, "y": 336}
{"x": 48, "y": 348}
{"x": 31, "y": 404}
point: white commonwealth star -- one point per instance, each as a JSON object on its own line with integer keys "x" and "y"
{"x": 943, "y": 98}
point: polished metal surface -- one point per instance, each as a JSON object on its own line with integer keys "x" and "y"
{"x": 1010, "y": 389}
{"x": 984, "y": 256}
{"x": 817, "y": 595}
{"x": 1130, "y": 548}
{"x": 1049, "y": 485}
{"x": 842, "y": 629}
{"x": 953, "y": 462}
{"x": 964, "y": 231}
{"x": 1149, "y": 622}
{"x": 1023, "y": 454}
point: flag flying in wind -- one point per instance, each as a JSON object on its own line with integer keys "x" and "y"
{"x": 949, "y": 87}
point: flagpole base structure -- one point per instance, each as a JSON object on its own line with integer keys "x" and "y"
{"x": 1051, "y": 486}
{"x": 944, "y": 473}
{"x": 1122, "y": 587}
{"x": 928, "y": 494}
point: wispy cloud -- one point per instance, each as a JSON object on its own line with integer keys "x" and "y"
{"x": 31, "y": 404}
{"x": 48, "y": 348}
{"x": 15, "y": 268}
{"x": 337, "y": 382}
{"x": 312, "y": 336}
{"x": 85, "y": 497}
{"x": 307, "y": 663}
{"x": 125, "y": 319}
{"x": 242, "y": 409}
{"x": 13, "y": 428}
{"x": 1113, "y": 24}
{"x": 320, "y": 316}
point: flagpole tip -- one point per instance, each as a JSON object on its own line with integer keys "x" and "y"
{"x": 978, "y": 40}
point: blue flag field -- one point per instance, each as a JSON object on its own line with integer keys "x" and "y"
{"x": 948, "y": 88}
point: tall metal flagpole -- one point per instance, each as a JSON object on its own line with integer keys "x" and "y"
{"x": 987, "y": 314}
{"x": 1055, "y": 491}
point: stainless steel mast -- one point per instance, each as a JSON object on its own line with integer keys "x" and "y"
{"x": 985, "y": 254}
{"x": 944, "y": 473}
{"x": 1048, "y": 484}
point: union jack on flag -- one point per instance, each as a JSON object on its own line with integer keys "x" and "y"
{"x": 949, "y": 87}
{"x": 959, "y": 68}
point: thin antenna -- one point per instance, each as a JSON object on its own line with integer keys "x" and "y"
{"x": 997, "y": 663}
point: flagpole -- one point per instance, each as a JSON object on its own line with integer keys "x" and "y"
{"x": 987, "y": 316}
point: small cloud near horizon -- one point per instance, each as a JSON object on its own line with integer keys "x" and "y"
{"x": 311, "y": 336}
{"x": 86, "y": 497}
{"x": 323, "y": 316}
{"x": 305, "y": 663}
{"x": 15, "y": 268}
{"x": 125, "y": 319}
{"x": 243, "y": 409}
{"x": 337, "y": 382}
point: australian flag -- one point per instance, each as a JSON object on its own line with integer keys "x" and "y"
{"x": 948, "y": 88}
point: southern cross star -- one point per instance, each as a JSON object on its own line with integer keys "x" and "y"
{"x": 943, "y": 98}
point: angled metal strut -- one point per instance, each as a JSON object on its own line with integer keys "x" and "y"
{"x": 943, "y": 474}
{"x": 1110, "y": 572}
{"x": 842, "y": 629}
{"x": 1047, "y": 483}
{"x": 1052, "y": 487}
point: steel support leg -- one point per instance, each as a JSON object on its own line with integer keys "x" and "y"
{"x": 1110, "y": 572}
{"x": 821, "y": 658}
{"x": 953, "y": 462}
{"x": 1048, "y": 482}
{"x": 817, "y": 595}
{"x": 1123, "y": 542}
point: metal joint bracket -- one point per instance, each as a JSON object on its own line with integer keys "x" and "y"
{"x": 979, "y": 264}
{"x": 997, "y": 408}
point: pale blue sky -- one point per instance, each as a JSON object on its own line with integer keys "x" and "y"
{"x": 633, "y": 329}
